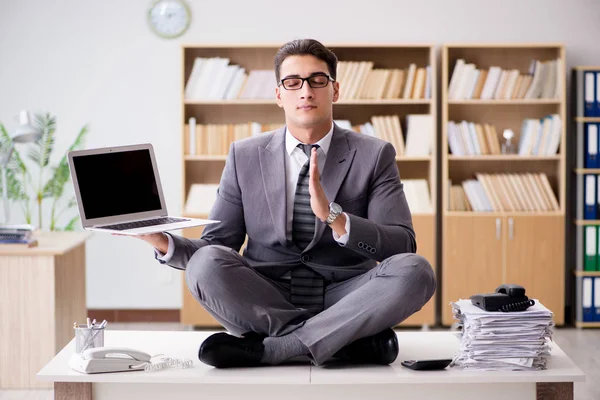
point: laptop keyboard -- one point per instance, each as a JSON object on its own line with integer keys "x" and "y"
{"x": 144, "y": 223}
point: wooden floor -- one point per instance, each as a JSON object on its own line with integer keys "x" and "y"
{"x": 582, "y": 346}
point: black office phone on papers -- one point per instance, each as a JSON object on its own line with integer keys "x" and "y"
{"x": 507, "y": 298}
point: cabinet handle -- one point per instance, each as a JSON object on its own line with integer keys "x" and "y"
{"x": 511, "y": 229}
{"x": 498, "y": 228}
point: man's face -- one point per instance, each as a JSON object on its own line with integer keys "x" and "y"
{"x": 306, "y": 107}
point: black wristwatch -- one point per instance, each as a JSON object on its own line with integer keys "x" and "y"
{"x": 334, "y": 211}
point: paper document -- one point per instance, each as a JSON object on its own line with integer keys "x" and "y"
{"x": 503, "y": 341}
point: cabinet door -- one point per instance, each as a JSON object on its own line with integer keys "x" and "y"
{"x": 424, "y": 226}
{"x": 473, "y": 258}
{"x": 535, "y": 259}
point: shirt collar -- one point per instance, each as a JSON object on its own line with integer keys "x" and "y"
{"x": 291, "y": 142}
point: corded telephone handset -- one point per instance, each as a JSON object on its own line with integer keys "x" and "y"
{"x": 508, "y": 297}
{"x": 120, "y": 359}
{"x": 109, "y": 359}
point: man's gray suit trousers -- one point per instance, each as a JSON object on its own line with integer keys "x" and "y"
{"x": 243, "y": 300}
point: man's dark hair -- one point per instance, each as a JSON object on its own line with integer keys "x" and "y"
{"x": 301, "y": 47}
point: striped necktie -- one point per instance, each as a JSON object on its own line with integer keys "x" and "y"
{"x": 307, "y": 286}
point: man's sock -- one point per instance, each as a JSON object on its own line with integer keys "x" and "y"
{"x": 279, "y": 349}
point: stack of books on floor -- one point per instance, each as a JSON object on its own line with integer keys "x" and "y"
{"x": 17, "y": 236}
{"x": 503, "y": 341}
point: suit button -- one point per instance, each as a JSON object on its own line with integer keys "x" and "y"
{"x": 361, "y": 245}
{"x": 305, "y": 258}
{"x": 372, "y": 250}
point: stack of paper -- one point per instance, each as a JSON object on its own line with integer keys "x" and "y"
{"x": 503, "y": 341}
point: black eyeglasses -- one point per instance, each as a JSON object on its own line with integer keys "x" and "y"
{"x": 314, "y": 81}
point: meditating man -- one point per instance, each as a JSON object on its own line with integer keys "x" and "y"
{"x": 320, "y": 205}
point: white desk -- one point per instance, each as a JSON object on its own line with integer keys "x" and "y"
{"x": 295, "y": 382}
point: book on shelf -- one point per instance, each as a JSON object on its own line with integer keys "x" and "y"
{"x": 591, "y": 197}
{"x": 200, "y": 199}
{"x": 591, "y": 261}
{"x": 587, "y": 101}
{"x": 419, "y": 133}
{"x": 542, "y": 81}
{"x": 539, "y": 137}
{"x": 213, "y": 78}
{"x": 417, "y": 196}
{"x": 528, "y": 192}
{"x": 215, "y": 139}
{"x": 590, "y": 299}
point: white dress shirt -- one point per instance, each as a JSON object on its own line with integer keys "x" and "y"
{"x": 294, "y": 160}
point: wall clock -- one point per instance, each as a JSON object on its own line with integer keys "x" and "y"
{"x": 169, "y": 18}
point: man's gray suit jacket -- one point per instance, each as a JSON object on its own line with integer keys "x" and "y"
{"x": 360, "y": 174}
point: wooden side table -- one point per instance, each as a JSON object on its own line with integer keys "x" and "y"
{"x": 42, "y": 292}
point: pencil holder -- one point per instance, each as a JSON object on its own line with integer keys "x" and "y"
{"x": 88, "y": 338}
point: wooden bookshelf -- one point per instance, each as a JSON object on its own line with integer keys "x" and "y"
{"x": 204, "y": 168}
{"x": 579, "y": 124}
{"x": 481, "y": 250}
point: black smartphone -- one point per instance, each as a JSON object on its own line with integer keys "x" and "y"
{"x": 426, "y": 365}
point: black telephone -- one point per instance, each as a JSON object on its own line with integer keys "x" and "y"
{"x": 507, "y": 298}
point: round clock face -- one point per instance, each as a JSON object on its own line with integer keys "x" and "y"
{"x": 169, "y": 18}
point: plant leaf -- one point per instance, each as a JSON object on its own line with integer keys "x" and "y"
{"x": 16, "y": 162}
{"x": 71, "y": 225}
{"x": 56, "y": 184}
{"x": 40, "y": 153}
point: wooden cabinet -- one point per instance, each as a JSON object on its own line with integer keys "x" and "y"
{"x": 424, "y": 226}
{"x": 42, "y": 292}
{"x": 482, "y": 252}
{"x": 535, "y": 259}
{"x": 473, "y": 258}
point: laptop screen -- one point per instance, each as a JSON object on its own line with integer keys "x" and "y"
{"x": 116, "y": 183}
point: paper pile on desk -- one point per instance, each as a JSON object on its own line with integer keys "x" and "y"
{"x": 503, "y": 341}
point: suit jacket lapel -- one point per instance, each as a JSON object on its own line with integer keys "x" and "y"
{"x": 338, "y": 161}
{"x": 272, "y": 165}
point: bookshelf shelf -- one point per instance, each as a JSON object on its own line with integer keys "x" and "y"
{"x": 206, "y": 157}
{"x": 201, "y": 168}
{"x": 495, "y": 158}
{"x": 363, "y": 102}
{"x": 587, "y": 119}
{"x": 586, "y": 273}
{"x": 504, "y": 102}
{"x": 503, "y": 214}
{"x": 587, "y": 324}
{"x": 481, "y": 250}
{"x": 582, "y": 171}
{"x": 584, "y": 222}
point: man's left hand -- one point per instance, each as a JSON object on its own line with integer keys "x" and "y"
{"x": 318, "y": 199}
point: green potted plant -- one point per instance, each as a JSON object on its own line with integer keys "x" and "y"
{"x": 31, "y": 180}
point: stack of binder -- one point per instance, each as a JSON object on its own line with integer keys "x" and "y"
{"x": 590, "y": 298}
{"x": 591, "y": 94}
{"x": 503, "y": 341}
{"x": 17, "y": 236}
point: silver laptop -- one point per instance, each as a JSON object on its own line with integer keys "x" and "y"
{"x": 118, "y": 190}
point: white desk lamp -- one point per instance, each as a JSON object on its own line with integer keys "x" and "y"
{"x": 25, "y": 133}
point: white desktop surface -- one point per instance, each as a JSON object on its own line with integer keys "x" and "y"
{"x": 327, "y": 381}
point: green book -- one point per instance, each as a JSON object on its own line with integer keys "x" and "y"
{"x": 589, "y": 263}
{"x": 597, "y": 250}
